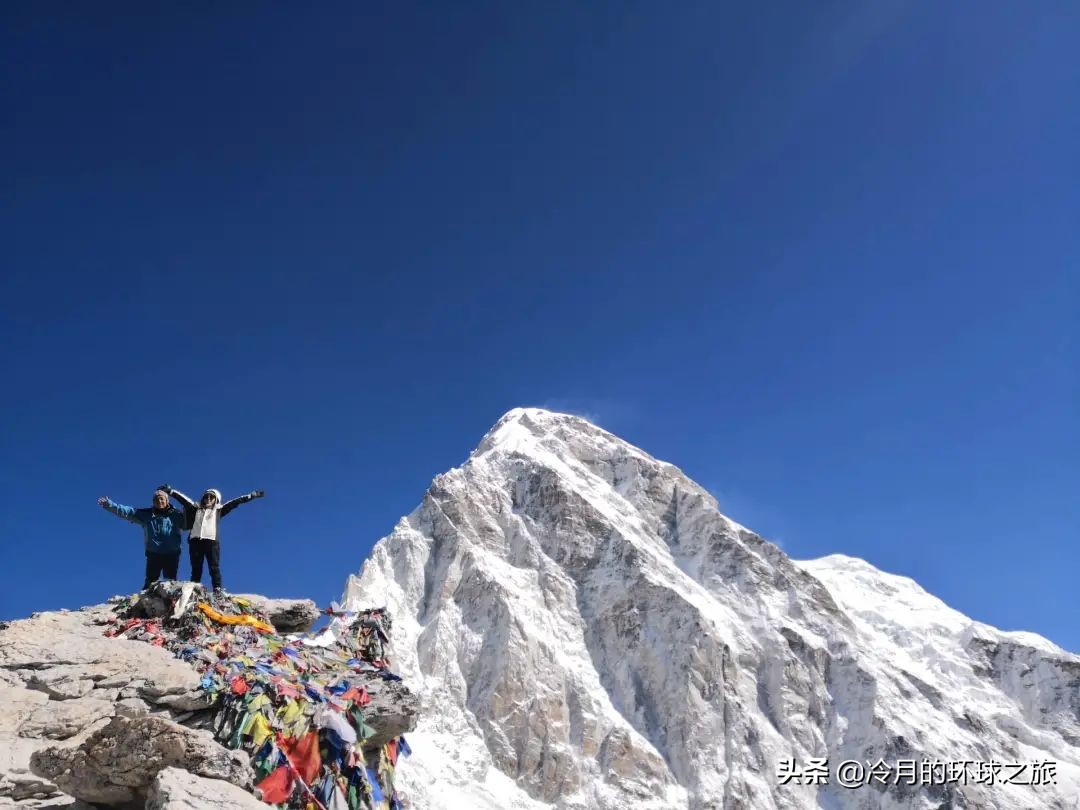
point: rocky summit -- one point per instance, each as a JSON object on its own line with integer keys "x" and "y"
{"x": 585, "y": 629}
{"x": 178, "y": 698}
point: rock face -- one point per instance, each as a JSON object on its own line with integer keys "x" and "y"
{"x": 587, "y": 630}
{"x": 61, "y": 680}
{"x": 117, "y": 764}
{"x": 174, "y": 789}
{"x": 287, "y": 615}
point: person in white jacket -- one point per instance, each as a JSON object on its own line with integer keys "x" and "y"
{"x": 204, "y": 542}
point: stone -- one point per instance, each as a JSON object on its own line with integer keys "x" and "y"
{"x": 175, "y": 789}
{"x": 117, "y": 764}
{"x": 60, "y": 685}
{"x": 55, "y": 802}
{"x": 66, "y": 655}
{"x": 180, "y": 697}
{"x": 287, "y": 615}
{"x": 17, "y": 782}
{"x": 131, "y": 707}
{"x": 17, "y": 705}
{"x": 60, "y": 720}
{"x": 392, "y": 712}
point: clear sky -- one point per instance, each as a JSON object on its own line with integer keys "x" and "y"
{"x": 823, "y": 256}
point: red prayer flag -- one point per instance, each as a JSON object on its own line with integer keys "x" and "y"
{"x": 304, "y": 755}
{"x": 277, "y": 787}
{"x": 239, "y": 685}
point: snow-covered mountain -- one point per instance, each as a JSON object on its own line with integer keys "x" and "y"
{"x": 587, "y": 630}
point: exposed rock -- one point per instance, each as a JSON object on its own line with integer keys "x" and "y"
{"x": 59, "y": 685}
{"x": 53, "y": 652}
{"x": 60, "y": 720}
{"x": 17, "y": 782}
{"x": 174, "y": 789}
{"x": 392, "y": 712}
{"x": 131, "y": 707}
{"x": 287, "y": 615}
{"x": 586, "y": 629}
{"x": 17, "y": 705}
{"x": 89, "y": 716}
{"x": 118, "y": 764}
{"x": 180, "y": 697}
{"x": 59, "y": 678}
{"x": 57, "y": 802}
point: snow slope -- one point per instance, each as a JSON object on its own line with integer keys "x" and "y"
{"x": 586, "y": 630}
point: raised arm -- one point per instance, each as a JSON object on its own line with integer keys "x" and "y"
{"x": 228, "y": 506}
{"x": 180, "y": 496}
{"x": 126, "y": 512}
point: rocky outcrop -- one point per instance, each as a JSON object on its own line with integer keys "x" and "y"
{"x": 117, "y": 764}
{"x": 287, "y": 615}
{"x": 392, "y": 712}
{"x": 61, "y": 680}
{"x": 175, "y": 789}
{"x": 88, "y": 718}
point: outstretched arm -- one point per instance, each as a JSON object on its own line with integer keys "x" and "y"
{"x": 126, "y": 512}
{"x": 228, "y": 506}
{"x": 180, "y": 496}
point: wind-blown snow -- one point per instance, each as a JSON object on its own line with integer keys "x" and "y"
{"x": 586, "y": 630}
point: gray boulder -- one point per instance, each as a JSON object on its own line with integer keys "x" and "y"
{"x": 392, "y": 712}
{"x": 61, "y": 720}
{"x": 118, "y": 764}
{"x": 174, "y": 789}
{"x": 287, "y": 615}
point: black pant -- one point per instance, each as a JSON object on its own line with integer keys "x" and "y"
{"x": 210, "y": 550}
{"x": 157, "y": 564}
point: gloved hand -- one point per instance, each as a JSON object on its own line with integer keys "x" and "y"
{"x": 165, "y": 488}
{"x": 258, "y": 494}
{"x": 103, "y": 501}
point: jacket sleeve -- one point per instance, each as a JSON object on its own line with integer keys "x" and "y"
{"x": 187, "y": 517}
{"x": 180, "y": 496}
{"x": 190, "y": 507}
{"x": 228, "y": 506}
{"x": 126, "y": 512}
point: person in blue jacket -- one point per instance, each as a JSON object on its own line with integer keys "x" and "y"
{"x": 162, "y": 525}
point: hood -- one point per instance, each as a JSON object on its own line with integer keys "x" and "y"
{"x": 215, "y": 492}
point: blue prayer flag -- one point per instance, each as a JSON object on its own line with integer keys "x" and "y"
{"x": 373, "y": 780}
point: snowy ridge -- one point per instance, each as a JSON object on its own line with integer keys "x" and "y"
{"x": 587, "y": 630}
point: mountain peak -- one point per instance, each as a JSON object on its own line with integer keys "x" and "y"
{"x": 517, "y": 420}
{"x": 586, "y": 629}
{"x": 554, "y": 438}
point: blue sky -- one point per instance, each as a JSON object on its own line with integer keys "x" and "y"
{"x": 822, "y": 256}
